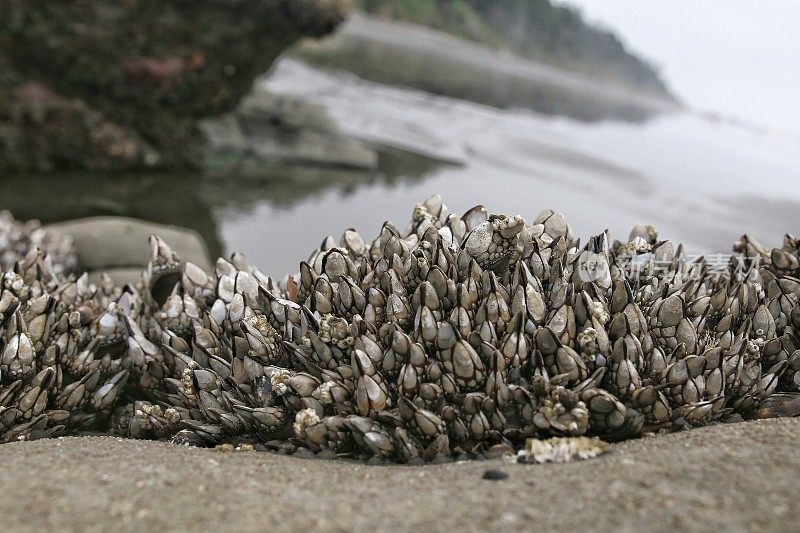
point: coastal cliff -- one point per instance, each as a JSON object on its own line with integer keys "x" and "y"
{"x": 121, "y": 85}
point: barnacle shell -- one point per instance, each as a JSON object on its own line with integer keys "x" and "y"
{"x": 561, "y": 449}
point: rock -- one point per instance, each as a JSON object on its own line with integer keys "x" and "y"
{"x": 42, "y": 129}
{"x": 119, "y": 245}
{"x": 121, "y": 85}
{"x": 495, "y": 475}
{"x": 269, "y": 129}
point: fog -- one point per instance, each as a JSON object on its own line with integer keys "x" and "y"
{"x": 738, "y": 58}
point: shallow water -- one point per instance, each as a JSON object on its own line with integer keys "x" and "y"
{"x": 700, "y": 181}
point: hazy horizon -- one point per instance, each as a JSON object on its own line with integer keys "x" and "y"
{"x": 730, "y": 57}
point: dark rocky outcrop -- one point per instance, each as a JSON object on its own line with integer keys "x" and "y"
{"x": 122, "y": 84}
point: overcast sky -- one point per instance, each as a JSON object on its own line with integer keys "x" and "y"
{"x": 736, "y": 57}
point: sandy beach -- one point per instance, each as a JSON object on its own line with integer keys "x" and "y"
{"x": 733, "y": 477}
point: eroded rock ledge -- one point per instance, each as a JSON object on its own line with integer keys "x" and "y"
{"x": 120, "y": 85}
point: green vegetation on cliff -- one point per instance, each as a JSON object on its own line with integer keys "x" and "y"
{"x": 537, "y": 29}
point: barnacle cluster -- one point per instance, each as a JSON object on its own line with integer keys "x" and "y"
{"x": 16, "y": 239}
{"x": 448, "y": 336}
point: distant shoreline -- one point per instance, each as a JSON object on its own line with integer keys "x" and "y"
{"x": 441, "y": 63}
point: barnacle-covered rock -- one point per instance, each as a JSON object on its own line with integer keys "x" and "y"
{"x": 451, "y": 336}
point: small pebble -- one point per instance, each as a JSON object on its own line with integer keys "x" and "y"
{"x": 462, "y": 457}
{"x": 441, "y": 459}
{"x": 375, "y": 461}
{"x": 479, "y": 457}
{"x": 495, "y": 475}
{"x": 416, "y": 461}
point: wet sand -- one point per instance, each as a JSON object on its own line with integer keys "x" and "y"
{"x": 733, "y": 477}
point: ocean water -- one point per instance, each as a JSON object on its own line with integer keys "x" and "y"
{"x": 699, "y": 180}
